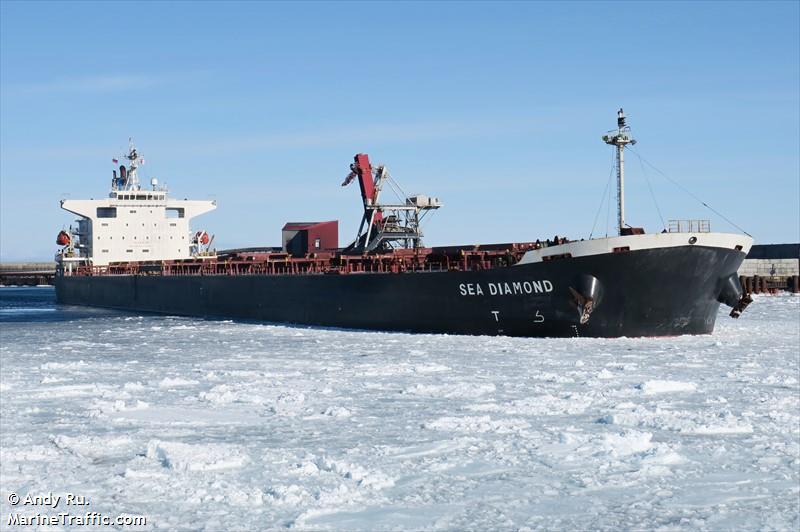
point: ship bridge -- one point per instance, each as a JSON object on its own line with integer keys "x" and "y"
{"x": 132, "y": 224}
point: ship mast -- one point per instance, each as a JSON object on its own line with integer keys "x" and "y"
{"x": 128, "y": 178}
{"x": 133, "y": 157}
{"x": 620, "y": 138}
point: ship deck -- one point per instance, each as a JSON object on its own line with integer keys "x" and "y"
{"x": 265, "y": 261}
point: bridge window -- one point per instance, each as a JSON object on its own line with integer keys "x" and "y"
{"x": 175, "y": 212}
{"x": 106, "y": 212}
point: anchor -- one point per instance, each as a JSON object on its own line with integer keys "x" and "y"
{"x": 585, "y": 305}
{"x": 587, "y": 296}
{"x": 741, "y": 305}
{"x": 731, "y": 294}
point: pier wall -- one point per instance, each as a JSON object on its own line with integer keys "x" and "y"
{"x": 27, "y": 273}
{"x": 771, "y": 268}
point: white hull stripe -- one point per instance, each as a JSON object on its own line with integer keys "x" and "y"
{"x": 599, "y": 246}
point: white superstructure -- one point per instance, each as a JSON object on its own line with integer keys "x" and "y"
{"x": 133, "y": 224}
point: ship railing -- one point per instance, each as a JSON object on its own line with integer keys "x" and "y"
{"x": 689, "y": 226}
{"x": 449, "y": 260}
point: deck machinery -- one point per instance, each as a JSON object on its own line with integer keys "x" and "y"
{"x": 385, "y": 226}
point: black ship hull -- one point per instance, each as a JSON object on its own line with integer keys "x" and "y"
{"x": 651, "y": 292}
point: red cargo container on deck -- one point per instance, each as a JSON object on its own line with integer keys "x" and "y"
{"x": 302, "y": 238}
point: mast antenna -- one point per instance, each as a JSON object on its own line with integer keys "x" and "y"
{"x": 135, "y": 161}
{"x": 620, "y": 138}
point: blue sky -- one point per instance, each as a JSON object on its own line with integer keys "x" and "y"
{"x": 496, "y": 108}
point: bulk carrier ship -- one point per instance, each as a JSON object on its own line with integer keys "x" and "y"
{"x": 135, "y": 251}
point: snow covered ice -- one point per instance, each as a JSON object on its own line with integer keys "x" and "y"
{"x": 220, "y": 425}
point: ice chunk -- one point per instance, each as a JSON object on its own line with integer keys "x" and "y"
{"x": 657, "y": 386}
{"x": 196, "y": 457}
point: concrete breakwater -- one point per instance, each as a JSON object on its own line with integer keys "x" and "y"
{"x": 27, "y": 273}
